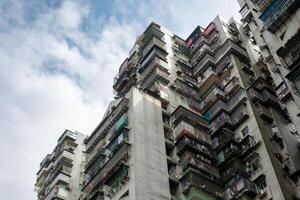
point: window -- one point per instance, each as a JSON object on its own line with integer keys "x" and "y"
{"x": 261, "y": 182}
{"x": 245, "y": 131}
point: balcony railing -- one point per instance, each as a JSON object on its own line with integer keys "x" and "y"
{"x": 276, "y": 10}
{"x": 101, "y": 176}
{"x": 106, "y": 124}
{"x": 64, "y": 155}
{"x": 203, "y": 63}
{"x": 189, "y": 159}
{"x": 193, "y": 179}
{"x": 245, "y": 13}
{"x": 240, "y": 187}
{"x": 154, "y": 42}
{"x": 184, "y": 128}
{"x": 153, "y": 30}
{"x": 187, "y": 143}
{"x": 60, "y": 178}
{"x": 248, "y": 143}
{"x": 156, "y": 74}
{"x": 237, "y": 168}
{"x": 181, "y": 113}
{"x": 226, "y": 154}
{"x": 183, "y": 88}
{"x": 264, "y": 112}
{"x": 210, "y": 98}
{"x": 222, "y": 139}
{"x": 67, "y": 134}
{"x": 203, "y": 50}
{"x": 262, "y": 4}
{"x": 221, "y": 121}
{"x": 231, "y": 85}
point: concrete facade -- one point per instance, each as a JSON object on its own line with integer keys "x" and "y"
{"x": 59, "y": 174}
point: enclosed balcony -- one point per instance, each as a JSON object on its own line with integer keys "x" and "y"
{"x": 57, "y": 192}
{"x": 157, "y": 73}
{"x": 193, "y": 179}
{"x": 153, "y": 42}
{"x": 246, "y": 14}
{"x": 148, "y": 60}
{"x": 185, "y": 89}
{"x": 184, "y": 128}
{"x": 122, "y": 79}
{"x": 200, "y": 52}
{"x": 224, "y": 137}
{"x": 187, "y": 143}
{"x": 116, "y": 160}
{"x": 208, "y": 79}
{"x": 194, "y": 104}
{"x": 222, "y": 121}
{"x": 60, "y": 178}
{"x": 231, "y": 86}
{"x": 248, "y": 144}
{"x": 229, "y": 47}
{"x": 240, "y": 187}
{"x": 183, "y": 114}
{"x": 264, "y": 113}
{"x": 64, "y": 156}
{"x": 116, "y": 143}
{"x": 118, "y": 179}
{"x": 236, "y": 168}
{"x": 153, "y": 30}
{"x": 190, "y": 159}
{"x": 226, "y": 154}
{"x": 210, "y": 97}
{"x": 283, "y": 92}
{"x": 106, "y": 124}
{"x": 277, "y": 12}
{"x": 262, "y": 4}
{"x": 201, "y": 65}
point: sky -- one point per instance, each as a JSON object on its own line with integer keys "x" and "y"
{"x": 57, "y": 63}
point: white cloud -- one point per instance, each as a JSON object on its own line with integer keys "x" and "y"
{"x": 48, "y": 85}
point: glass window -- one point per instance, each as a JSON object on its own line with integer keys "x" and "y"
{"x": 245, "y": 131}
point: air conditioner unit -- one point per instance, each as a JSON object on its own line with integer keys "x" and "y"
{"x": 275, "y": 130}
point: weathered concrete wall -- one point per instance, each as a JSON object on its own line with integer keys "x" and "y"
{"x": 149, "y": 172}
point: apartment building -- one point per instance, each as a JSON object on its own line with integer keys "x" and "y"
{"x": 274, "y": 26}
{"x": 195, "y": 118}
{"x": 60, "y": 173}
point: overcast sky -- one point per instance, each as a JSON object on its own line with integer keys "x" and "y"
{"x": 57, "y": 63}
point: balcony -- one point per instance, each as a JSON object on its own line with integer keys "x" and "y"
{"x": 210, "y": 98}
{"x": 189, "y": 159}
{"x": 56, "y": 193}
{"x": 230, "y": 47}
{"x": 67, "y": 135}
{"x": 187, "y": 143}
{"x": 106, "y": 124}
{"x": 184, "y": 128}
{"x": 210, "y": 78}
{"x": 248, "y": 144}
{"x": 283, "y": 92}
{"x": 185, "y": 89}
{"x": 226, "y": 154}
{"x": 237, "y": 168}
{"x": 223, "y": 120}
{"x": 64, "y": 156}
{"x": 183, "y": 114}
{"x": 246, "y": 14}
{"x": 192, "y": 178}
{"x": 153, "y": 30}
{"x": 222, "y": 139}
{"x": 200, "y": 66}
{"x": 155, "y": 74}
{"x": 264, "y": 113}
{"x": 255, "y": 95}
{"x": 240, "y": 187}
{"x": 231, "y": 86}
{"x": 200, "y": 52}
{"x": 122, "y": 79}
{"x": 262, "y": 4}
{"x": 60, "y": 178}
{"x": 277, "y": 12}
{"x": 116, "y": 143}
{"x": 118, "y": 180}
{"x": 153, "y": 42}
{"x": 113, "y": 163}
{"x": 194, "y": 104}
